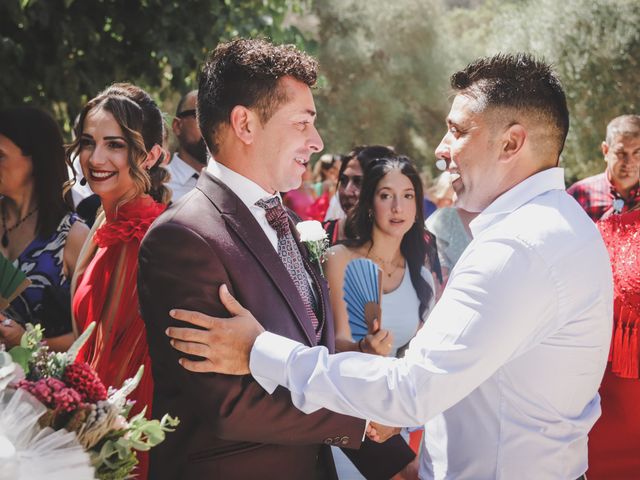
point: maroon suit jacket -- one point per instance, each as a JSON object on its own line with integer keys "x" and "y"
{"x": 230, "y": 427}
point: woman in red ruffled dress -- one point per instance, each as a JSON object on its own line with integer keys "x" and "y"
{"x": 614, "y": 442}
{"x": 118, "y": 141}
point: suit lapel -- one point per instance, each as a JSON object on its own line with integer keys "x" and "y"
{"x": 243, "y": 223}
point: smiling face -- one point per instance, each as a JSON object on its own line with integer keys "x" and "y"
{"x": 623, "y": 160}
{"x": 471, "y": 150}
{"x": 286, "y": 141}
{"x": 394, "y": 204}
{"x": 104, "y": 157}
{"x": 16, "y": 169}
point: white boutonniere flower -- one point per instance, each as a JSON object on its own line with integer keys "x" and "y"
{"x": 315, "y": 238}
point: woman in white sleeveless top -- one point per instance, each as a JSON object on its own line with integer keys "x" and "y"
{"x": 387, "y": 227}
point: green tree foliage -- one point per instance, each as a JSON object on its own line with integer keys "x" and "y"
{"x": 387, "y": 65}
{"x": 384, "y": 72}
{"x": 595, "y": 47}
{"x": 384, "y": 65}
{"x": 59, "y": 53}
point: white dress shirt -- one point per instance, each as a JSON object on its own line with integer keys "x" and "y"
{"x": 183, "y": 177}
{"x": 334, "y": 212}
{"x": 249, "y": 193}
{"x": 78, "y": 192}
{"x": 506, "y": 370}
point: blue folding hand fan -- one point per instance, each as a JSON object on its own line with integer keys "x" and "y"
{"x": 362, "y": 294}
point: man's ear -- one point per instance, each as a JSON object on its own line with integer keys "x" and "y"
{"x": 512, "y": 142}
{"x": 243, "y": 123}
{"x": 153, "y": 156}
{"x": 176, "y": 126}
{"x": 605, "y": 149}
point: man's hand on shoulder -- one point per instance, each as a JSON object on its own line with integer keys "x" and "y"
{"x": 224, "y": 343}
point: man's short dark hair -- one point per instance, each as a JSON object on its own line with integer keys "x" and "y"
{"x": 519, "y": 82}
{"x": 246, "y": 72}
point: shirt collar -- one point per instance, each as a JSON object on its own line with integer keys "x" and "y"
{"x": 633, "y": 193}
{"x": 247, "y": 190}
{"x": 523, "y": 192}
{"x": 181, "y": 171}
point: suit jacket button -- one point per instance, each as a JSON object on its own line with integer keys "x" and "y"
{"x": 344, "y": 441}
{"x": 328, "y": 441}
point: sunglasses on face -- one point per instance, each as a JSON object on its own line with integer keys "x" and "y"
{"x": 186, "y": 113}
{"x": 356, "y": 180}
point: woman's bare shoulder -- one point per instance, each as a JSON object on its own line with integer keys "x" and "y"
{"x": 339, "y": 255}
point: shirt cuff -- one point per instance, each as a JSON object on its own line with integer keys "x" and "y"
{"x": 268, "y": 360}
{"x": 366, "y": 425}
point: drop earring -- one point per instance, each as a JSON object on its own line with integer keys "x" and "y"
{"x": 83, "y": 181}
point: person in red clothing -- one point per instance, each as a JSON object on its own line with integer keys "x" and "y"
{"x": 614, "y": 442}
{"x": 301, "y": 199}
{"x": 118, "y": 141}
{"x": 617, "y": 189}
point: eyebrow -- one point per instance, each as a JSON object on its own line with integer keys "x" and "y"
{"x": 111, "y": 137}
{"x": 405, "y": 190}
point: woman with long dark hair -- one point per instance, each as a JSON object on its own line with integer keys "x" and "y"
{"x": 38, "y": 229}
{"x": 119, "y": 143}
{"x": 385, "y": 226}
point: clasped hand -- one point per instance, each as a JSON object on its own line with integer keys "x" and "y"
{"x": 10, "y": 332}
{"x": 381, "y": 433}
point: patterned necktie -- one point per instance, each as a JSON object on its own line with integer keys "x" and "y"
{"x": 290, "y": 255}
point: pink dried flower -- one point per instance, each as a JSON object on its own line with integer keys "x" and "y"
{"x": 53, "y": 393}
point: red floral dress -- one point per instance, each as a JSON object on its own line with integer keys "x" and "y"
{"x": 614, "y": 442}
{"x": 107, "y": 294}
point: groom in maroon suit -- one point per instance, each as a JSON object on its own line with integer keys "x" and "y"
{"x": 256, "y": 113}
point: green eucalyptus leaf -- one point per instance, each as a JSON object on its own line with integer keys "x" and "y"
{"x": 21, "y": 356}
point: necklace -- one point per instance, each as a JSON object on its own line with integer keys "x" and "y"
{"x": 382, "y": 262}
{"x": 5, "y": 235}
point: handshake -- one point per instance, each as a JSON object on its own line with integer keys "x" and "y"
{"x": 381, "y": 433}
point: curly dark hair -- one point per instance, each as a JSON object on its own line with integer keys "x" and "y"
{"x": 414, "y": 246}
{"x": 246, "y": 72}
{"x": 141, "y": 121}
{"x": 519, "y": 82}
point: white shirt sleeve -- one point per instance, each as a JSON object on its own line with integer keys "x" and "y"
{"x": 501, "y": 299}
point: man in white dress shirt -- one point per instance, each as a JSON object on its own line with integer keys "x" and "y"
{"x": 191, "y": 157}
{"x": 505, "y": 373}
